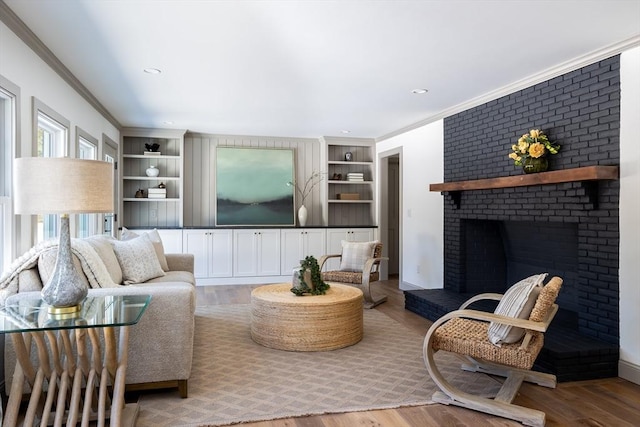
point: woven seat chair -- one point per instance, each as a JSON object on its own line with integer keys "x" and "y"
{"x": 464, "y": 332}
{"x": 361, "y": 279}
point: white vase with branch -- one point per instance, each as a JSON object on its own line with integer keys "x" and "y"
{"x": 304, "y": 191}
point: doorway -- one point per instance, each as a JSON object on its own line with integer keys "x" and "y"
{"x": 390, "y": 209}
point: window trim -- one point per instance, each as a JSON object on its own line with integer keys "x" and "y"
{"x": 83, "y": 137}
{"x": 10, "y": 225}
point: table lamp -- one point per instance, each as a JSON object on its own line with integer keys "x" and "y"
{"x": 61, "y": 185}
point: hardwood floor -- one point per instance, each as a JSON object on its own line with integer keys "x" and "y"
{"x": 609, "y": 402}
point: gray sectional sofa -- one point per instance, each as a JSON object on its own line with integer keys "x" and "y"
{"x": 161, "y": 344}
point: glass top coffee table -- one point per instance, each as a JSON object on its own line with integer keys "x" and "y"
{"x": 71, "y": 362}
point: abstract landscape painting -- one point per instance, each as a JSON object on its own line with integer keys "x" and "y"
{"x": 251, "y": 186}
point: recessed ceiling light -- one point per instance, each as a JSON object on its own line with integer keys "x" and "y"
{"x": 152, "y": 71}
{"x": 420, "y": 91}
{"x": 346, "y": 131}
{"x": 168, "y": 122}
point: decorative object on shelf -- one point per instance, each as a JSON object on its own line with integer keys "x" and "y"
{"x": 302, "y": 216}
{"x": 307, "y": 278}
{"x": 348, "y": 196}
{"x": 140, "y": 193}
{"x": 61, "y": 185}
{"x": 152, "y": 171}
{"x": 156, "y": 193}
{"x": 355, "y": 177}
{"x": 336, "y": 177}
{"x": 153, "y": 148}
{"x": 348, "y": 156}
{"x": 309, "y": 184}
{"x": 531, "y": 150}
{"x": 162, "y": 185}
{"x": 535, "y": 164}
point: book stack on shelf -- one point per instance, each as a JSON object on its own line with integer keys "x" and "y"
{"x": 157, "y": 193}
{"x": 152, "y": 153}
{"x": 355, "y": 177}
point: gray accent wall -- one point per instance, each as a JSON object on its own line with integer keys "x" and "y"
{"x": 199, "y": 172}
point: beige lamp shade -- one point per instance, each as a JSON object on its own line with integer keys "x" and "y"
{"x": 61, "y": 185}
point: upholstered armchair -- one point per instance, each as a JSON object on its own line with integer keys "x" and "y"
{"x": 359, "y": 266}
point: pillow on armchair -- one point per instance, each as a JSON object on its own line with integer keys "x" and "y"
{"x": 517, "y": 302}
{"x": 355, "y": 254}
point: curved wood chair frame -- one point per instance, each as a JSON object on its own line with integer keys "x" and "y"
{"x": 500, "y": 405}
{"x": 370, "y": 267}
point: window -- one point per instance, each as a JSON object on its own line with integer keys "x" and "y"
{"x": 87, "y": 149}
{"x": 8, "y": 137}
{"x": 52, "y": 140}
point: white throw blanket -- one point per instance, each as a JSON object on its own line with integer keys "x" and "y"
{"x": 92, "y": 266}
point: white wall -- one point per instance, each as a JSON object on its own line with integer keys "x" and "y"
{"x": 20, "y": 65}
{"x": 423, "y": 213}
{"x": 629, "y": 216}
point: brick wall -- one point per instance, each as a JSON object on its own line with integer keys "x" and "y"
{"x": 579, "y": 110}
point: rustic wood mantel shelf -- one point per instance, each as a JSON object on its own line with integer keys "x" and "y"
{"x": 583, "y": 174}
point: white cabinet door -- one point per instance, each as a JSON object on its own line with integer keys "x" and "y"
{"x": 299, "y": 243}
{"x": 171, "y": 241}
{"x": 256, "y": 252}
{"x": 171, "y": 238}
{"x": 335, "y": 236}
{"x": 221, "y": 253}
{"x": 244, "y": 253}
{"x": 268, "y": 253}
{"x": 197, "y": 242}
{"x": 212, "y": 251}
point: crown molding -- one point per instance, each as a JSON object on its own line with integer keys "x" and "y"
{"x": 20, "y": 29}
{"x": 563, "y": 68}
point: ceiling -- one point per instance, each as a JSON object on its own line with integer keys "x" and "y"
{"x": 313, "y": 68}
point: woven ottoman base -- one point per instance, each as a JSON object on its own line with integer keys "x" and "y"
{"x": 284, "y": 321}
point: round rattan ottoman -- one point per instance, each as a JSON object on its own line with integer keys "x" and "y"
{"x": 284, "y": 321}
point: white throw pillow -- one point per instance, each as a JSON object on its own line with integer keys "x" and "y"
{"x": 517, "y": 302}
{"x": 355, "y": 254}
{"x": 137, "y": 259}
{"x": 155, "y": 239}
{"x": 104, "y": 248}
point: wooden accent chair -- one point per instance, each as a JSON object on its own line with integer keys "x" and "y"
{"x": 368, "y": 274}
{"x": 465, "y": 333}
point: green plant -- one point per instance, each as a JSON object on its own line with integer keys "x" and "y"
{"x": 317, "y": 285}
{"x": 534, "y": 144}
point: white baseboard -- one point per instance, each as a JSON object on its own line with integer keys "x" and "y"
{"x": 629, "y": 371}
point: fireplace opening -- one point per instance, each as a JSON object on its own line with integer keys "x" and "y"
{"x": 498, "y": 254}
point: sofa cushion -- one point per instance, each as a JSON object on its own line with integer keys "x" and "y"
{"x": 155, "y": 239}
{"x": 137, "y": 259}
{"x": 103, "y": 246}
{"x": 175, "y": 276}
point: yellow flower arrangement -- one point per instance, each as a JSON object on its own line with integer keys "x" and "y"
{"x": 533, "y": 144}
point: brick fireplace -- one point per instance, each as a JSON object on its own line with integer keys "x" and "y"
{"x": 494, "y": 237}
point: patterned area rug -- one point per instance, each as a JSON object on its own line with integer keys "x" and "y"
{"x": 236, "y": 380}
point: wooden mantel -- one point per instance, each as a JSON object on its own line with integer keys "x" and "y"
{"x": 583, "y": 174}
{"x": 587, "y": 173}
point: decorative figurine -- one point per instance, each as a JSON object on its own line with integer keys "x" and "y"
{"x": 348, "y": 156}
{"x": 152, "y": 147}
